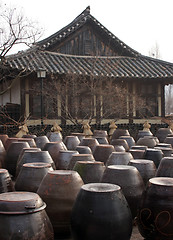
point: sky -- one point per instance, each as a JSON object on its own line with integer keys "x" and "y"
{"x": 141, "y": 24}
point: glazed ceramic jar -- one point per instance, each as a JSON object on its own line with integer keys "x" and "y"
{"x": 101, "y": 212}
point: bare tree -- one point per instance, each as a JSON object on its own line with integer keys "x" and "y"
{"x": 155, "y": 51}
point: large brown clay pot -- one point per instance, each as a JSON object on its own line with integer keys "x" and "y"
{"x": 32, "y": 156}
{"x": 64, "y": 158}
{"x": 146, "y": 168}
{"x": 79, "y": 157}
{"x": 23, "y": 216}
{"x": 71, "y": 142}
{"x": 59, "y": 190}
{"x": 31, "y": 175}
{"x": 13, "y": 153}
{"x": 130, "y": 180}
{"x": 90, "y": 172}
{"x": 101, "y": 212}
{"x": 102, "y": 152}
{"x": 53, "y": 148}
{"x": 155, "y": 215}
{"x": 6, "y": 184}
{"x": 119, "y": 158}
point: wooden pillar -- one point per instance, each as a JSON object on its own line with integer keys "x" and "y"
{"x": 134, "y": 99}
{"x": 159, "y": 100}
{"x": 27, "y": 110}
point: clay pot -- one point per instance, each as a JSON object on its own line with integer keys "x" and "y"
{"x": 167, "y": 145}
{"x": 3, "y": 138}
{"x": 23, "y": 216}
{"x": 130, "y": 180}
{"x": 30, "y": 141}
{"x": 6, "y": 184}
{"x": 79, "y": 135}
{"x": 90, "y": 142}
{"x": 101, "y": 212}
{"x": 83, "y": 150}
{"x": 79, "y": 157}
{"x": 142, "y": 133}
{"x": 119, "y": 158}
{"x": 137, "y": 153}
{"x": 31, "y": 175}
{"x": 162, "y": 133}
{"x": 28, "y": 150}
{"x": 2, "y": 155}
{"x": 32, "y": 157}
{"x": 102, "y": 140}
{"x": 29, "y": 136}
{"x": 146, "y": 168}
{"x": 120, "y": 132}
{"x": 155, "y": 155}
{"x": 13, "y": 153}
{"x": 130, "y": 140}
{"x": 100, "y": 133}
{"x": 165, "y": 168}
{"x": 122, "y": 142}
{"x": 71, "y": 142}
{"x": 165, "y": 150}
{"x": 9, "y": 141}
{"x": 102, "y": 152}
{"x": 169, "y": 140}
{"x": 59, "y": 190}
{"x": 155, "y": 215}
{"x": 149, "y": 142}
{"x": 64, "y": 158}
{"x": 90, "y": 172}
{"x": 41, "y": 141}
{"x": 139, "y": 147}
{"x": 54, "y": 148}
{"x": 119, "y": 148}
{"x": 54, "y": 136}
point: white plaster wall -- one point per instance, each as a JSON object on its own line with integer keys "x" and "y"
{"x": 12, "y": 95}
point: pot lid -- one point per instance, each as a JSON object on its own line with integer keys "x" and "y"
{"x": 20, "y": 203}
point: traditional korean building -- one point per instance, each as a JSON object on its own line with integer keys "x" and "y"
{"x": 88, "y": 70}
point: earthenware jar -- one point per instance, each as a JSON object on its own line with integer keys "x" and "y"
{"x": 79, "y": 157}
{"x": 120, "y": 132}
{"x": 140, "y": 147}
{"x": 101, "y": 212}
{"x": 169, "y": 140}
{"x": 130, "y": 140}
{"x": 121, "y": 142}
{"x": 162, "y": 133}
{"x": 155, "y": 155}
{"x": 59, "y": 190}
{"x": 102, "y": 152}
{"x": 71, "y": 142}
{"x": 9, "y": 141}
{"x": 102, "y": 140}
{"x": 167, "y": 145}
{"x": 64, "y": 158}
{"x": 149, "y": 142}
{"x": 155, "y": 215}
{"x": 146, "y": 168}
{"x": 23, "y": 216}
{"x": 54, "y": 136}
{"x": 90, "y": 142}
{"x": 100, "y": 133}
{"x": 130, "y": 180}
{"x": 32, "y": 156}
{"x": 41, "y": 141}
{"x": 28, "y": 150}
{"x": 142, "y": 133}
{"x": 165, "y": 168}
{"x": 29, "y": 136}
{"x": 31, "y": 175}
{"x": 137, "y": 153}
{"x": 6, "y": 184}
{"x": 90, "y": 172}
{"x": 54, "y": 148}
{"x": 119, "y": 158}
{"x": 119, "y": 148}
{"x": 83, "y": 149}
{"x": 165, "y": 150}
{"x": 13, "y": 153}
{"x": 79, "y": 135}
{"x": 30, "y": 141}
{"x": 2, "y": 155}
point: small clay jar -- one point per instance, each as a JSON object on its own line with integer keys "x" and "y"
{"x": 101, "y": 212}
{"x": 102, "y": 152}
{"x": 90, "y": 172}
{"x": 59, "y": 190}
{"x": 64, "y": 158}
{"x": 31, "y": 175}
{"x": 119, "y": 158}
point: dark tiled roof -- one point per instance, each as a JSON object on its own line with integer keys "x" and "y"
{"x": 77, "y": 23}
{"x": 117, "y": 67}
